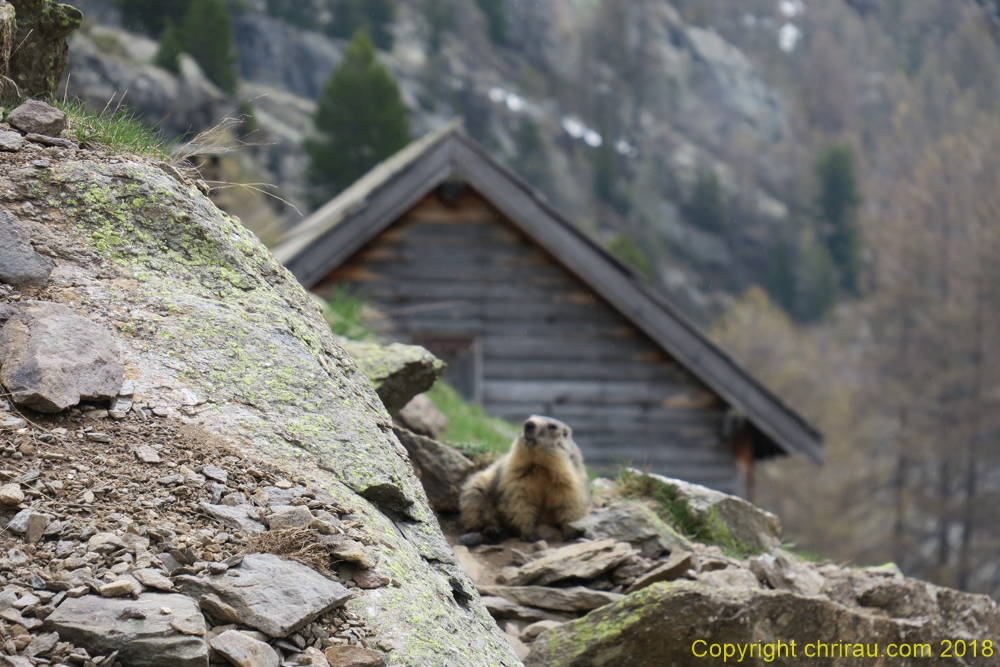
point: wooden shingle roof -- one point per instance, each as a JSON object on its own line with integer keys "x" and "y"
{"x": 332, "y": 234}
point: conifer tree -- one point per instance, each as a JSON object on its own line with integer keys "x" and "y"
{"x": 207, "y": 34}
{"x": 373, "y": 16}
{"x": 838, "y": 204}
{"x": 151, "y": 16}
{"x": 169, "y": 53}
{"x": 361, "y": 120}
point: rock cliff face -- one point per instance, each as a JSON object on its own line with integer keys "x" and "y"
{"x": 219, "y": 337}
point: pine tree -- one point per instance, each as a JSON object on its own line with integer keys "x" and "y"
{"x": 373, "y": 16}
{"x": 781, "y": 278}
{"x": 151, "y": 16}
{"x": 207, "y": 34}
{"x": 707, "y": 208}
{"x": 361, "y": 120}
{"x": 496, "y": 19}
{"x": 169, "y": 53}
{"x": 838, "y": 205}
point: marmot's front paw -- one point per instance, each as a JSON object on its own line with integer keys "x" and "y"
{"x": 471, "y": 540}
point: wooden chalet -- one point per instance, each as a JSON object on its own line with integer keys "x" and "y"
{"x": 533, "y": 317}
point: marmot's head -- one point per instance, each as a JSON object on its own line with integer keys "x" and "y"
{"x": 545, "y": 433}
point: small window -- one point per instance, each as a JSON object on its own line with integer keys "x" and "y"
{"x": 464, "y": 359}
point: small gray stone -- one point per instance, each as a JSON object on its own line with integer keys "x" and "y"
{"x": 290, "y": 517}
{"x": 153, "y": 579}
{"x": 51, "y": 141}
{"x": 42, "y": 644}
{"x": 146, "y": 454}
{"x": 237, "y": 518}
{"x": 98, "y": 437}
{"x": 21, "y": 521}
{"x": 121, "y": 404}
{"x": 275, "y": 596}
{"x": 11, "y": 494}
{"x": 216, "y": 473}
{"x": 354, "y": 656}
{"x": 51, "y": 358}
{"x": 220, "y": 610}
{"x": 36, "y": 527}
{"x": 19, "y": 263}
{"x": 36, "y": 117}
{"x": 128, "y": 388}
{"x": 10, "y": 142}
{"x": 243, "y": 650}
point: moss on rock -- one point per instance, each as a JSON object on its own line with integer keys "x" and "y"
{"x": 213, "y": 329}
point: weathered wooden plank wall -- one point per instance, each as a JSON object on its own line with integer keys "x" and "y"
{"x": 547, "y": 344}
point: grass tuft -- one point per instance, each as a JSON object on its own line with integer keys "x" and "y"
{"x": 298, "y": 544}
{"x": 117, "y": 130}
{"x": 677, "y": 512}
{"x": 471, "y": 429}
{"x": 345, "y": 315}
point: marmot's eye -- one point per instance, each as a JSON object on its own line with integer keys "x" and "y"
{"x": 552, "y": 427}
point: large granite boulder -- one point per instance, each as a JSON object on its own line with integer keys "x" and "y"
{"x": 216, "y": 333}
{"x": 398, "y": 372}
{"x": 51, "y": 358}
{"x": 680, "y": 623}
{"x": 727, "y": 518}
{"x": 441, "y": 468}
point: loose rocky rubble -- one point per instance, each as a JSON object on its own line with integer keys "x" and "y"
{"x": 602, "y": 598}
{"x": 132, "y": 541}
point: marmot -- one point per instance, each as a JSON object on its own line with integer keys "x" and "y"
{"x": 541, "y": 480}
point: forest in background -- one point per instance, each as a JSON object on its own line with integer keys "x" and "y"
{"x": 872, "y": 304}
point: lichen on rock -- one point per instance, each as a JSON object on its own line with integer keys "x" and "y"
{"x": 202, "y": 311}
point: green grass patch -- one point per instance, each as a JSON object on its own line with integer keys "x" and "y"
{"x": 470, "y": 428}
{"x": 119, "y": 130}
{"x": 345, "y": 315}
{"x": 678, "y": 513}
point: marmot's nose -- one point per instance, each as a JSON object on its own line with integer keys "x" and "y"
{"x": 529, "y": 427}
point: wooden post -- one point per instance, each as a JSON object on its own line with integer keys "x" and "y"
{"x": 744, "y": 464}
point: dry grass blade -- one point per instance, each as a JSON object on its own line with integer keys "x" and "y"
{"x": 298, "y": 544}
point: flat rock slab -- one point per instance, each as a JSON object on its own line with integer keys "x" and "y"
{"x": 676, "y": 565}
{"x": 354, "y": 656}
{"x": 398, "y": 372}
{"x": 577, "y": 598}
{"x": 51, "y": 358}
{"x": 505, "y": 610}
{"x": 36, "y": 117}
{"x": 19, "y": 263}
{"x": 275, "y": 596}
{"x": 441, "y": 468}
{"x": 634, "y": 523}
{"x": 244, "y": 651}
{"x": 236, "y": 517}
{"x": 584, "y": 560}
{"x": 138, "y": 629}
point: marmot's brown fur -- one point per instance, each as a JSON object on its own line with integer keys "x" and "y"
{"x": 540, "y": 481}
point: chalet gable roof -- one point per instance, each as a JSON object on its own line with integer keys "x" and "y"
{"x": 332, "y": 234}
